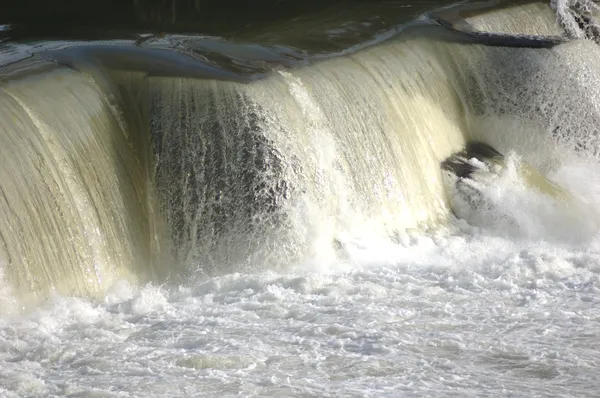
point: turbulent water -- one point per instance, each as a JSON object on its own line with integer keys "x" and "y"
{"x": 274, "y": 222}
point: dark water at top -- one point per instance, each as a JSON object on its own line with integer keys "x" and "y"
{"x": 227, "y": 40}
{"x": 230, "y": 18}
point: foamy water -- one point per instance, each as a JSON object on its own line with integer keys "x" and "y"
{"x": 467, "y": 311}
{"x": 502, "y": 302}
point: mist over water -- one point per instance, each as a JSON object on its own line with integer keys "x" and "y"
{"x": 231, "y": 226}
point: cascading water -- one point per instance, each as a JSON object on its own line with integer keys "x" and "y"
{"x": 295, "y": 211}
{"x": 535, "y": 18}
{"x": 345, "y": 144}
{"x": 544, "y": 102}
{"x": 73, "y": 193}
{"x": 577, "y": 18}
{"x": 220, "y": 175}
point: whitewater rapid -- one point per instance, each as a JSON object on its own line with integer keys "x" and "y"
{"x": 289, "y": 234}
{"x": 460, "y": 312}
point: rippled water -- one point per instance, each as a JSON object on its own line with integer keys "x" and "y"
{"x": 524, "y": 324}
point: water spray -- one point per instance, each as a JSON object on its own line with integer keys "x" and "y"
{"x": 576, "y": 18}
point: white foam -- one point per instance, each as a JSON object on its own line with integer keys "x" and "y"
{"x": 463, "y": 310}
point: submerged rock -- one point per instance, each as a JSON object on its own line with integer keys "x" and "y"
{"x": 486, "y": 187}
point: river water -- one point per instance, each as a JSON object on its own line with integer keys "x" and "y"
{"x": 286, "y": 231}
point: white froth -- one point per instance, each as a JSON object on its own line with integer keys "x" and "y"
{"x": 461, "y": 312}
{"x": 478, "y": 308}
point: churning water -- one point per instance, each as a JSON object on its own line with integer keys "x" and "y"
{"x": 288, "y": 232}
